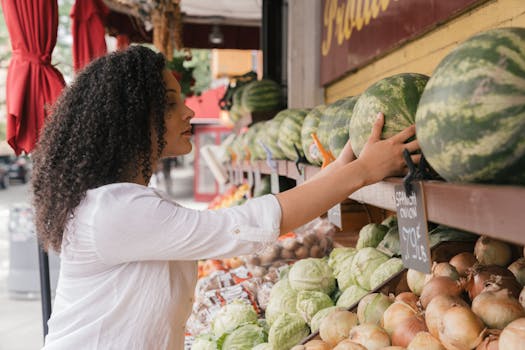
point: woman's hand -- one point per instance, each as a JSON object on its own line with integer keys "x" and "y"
{"x": 383, "y": 158}
{"x": 346, "y": 156}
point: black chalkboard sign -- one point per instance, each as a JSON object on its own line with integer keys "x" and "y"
{"x": 413, "y": 229}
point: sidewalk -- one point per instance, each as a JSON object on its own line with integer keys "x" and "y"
{"x": 21, "y": 320}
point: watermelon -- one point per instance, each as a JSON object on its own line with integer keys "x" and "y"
{"x": 471, "y": 118}
{"x": 339, "y": 127}
{"x": 397, "y": 97}
{"x": 237, "y": 99}
{"x": 271, "y": 134}
{"x": 325, "y": 123}
{"x": 250, "y": 140}
{"x": 236, "y": 113}
{"x": 290, "y": 133}
{"x": 261, "y": 95}
{"x": 310, "y": 124}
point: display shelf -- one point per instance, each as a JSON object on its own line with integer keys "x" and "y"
{"x": 252, "y": 118}
{"x": 491, "y": 210}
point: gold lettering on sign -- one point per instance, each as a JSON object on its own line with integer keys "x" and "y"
{"x": 340, "y": 20}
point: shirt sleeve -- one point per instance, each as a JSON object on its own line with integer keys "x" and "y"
{"x": 148, "y": 227}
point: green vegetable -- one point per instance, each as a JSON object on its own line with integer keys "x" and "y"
{"x": 232, "y": 316}
{"x": 444, "y": 233}
{"x": 370, "y": 235}
{"x": 365, "y": 262}
{"x": 204, "y": 342}
{"x": 386, "y": 270}
{"x": 310, "y": 302}
{"x": 283, "y": 299}
{"x": 372, "y": 307}
{"x": 340, "y": 259}
{"x": 320, "y": 315}
{"x": 263, "y": 346}
{"x": 312, "y": 274}
{"x": 287, "y": 331}
{"x": 390, "y": 221}
{"x": 244, "y": 338}
{"x": 351, "y": 296}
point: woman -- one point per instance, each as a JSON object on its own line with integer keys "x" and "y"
{"x": 128, "y": 253}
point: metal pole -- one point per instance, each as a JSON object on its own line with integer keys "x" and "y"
{"x": 45, "y": 286}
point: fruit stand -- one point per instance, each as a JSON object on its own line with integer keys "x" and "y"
{"x": 473, "y": 218}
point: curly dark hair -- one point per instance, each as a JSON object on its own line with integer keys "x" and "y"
{"x": 98, "y": 133}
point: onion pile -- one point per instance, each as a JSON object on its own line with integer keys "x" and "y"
{"x": 336, "y": 326}
{"x": 415, "y": 281}
{"x": 370, "y": 336}
{"x": 408, "y": 298}
{"x": 518, "y": 269}
{"x": 522, "y": 297}
{"x": 491, "y": 341}
{"x": 437, "y": 308}
{"x": 407, "y": 329}
{"x": 513, "y": 336}
{"x": 396, "y": 313}
{"x": 425, "y": 341}
{"x": 489, "y": 251}
{"x": 443, "y": 269}
{"x": 349, "y": 345}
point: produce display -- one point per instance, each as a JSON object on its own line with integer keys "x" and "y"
{"x": 310, "y": 125}
{"x": 289, "y": 138}
{"x": 261, "y": 95}
{"x": 340, "y": 108}
{"x": 477, "y": 87}
{"x": 338, "y": 135}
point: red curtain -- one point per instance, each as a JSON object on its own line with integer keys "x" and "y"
{"x": 88, "y": 31}
{"x": 33, "y": 83}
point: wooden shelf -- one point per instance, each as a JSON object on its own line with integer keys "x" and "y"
{"x": 484, "y": 209}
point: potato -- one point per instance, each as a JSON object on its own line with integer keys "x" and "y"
{"x": 302, "y": 252}
{"x": 316, "y": 252}
{"x": 290, "y": 244}
{"x": 310, "y": 239}
{"x": 287, "y": 254}
{"x": 270, "y": 254}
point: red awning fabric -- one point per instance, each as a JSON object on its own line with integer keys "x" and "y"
{"x": 206, "y": 106}
{"x": 32, "y": 82}
{"x": 88, "y": 30}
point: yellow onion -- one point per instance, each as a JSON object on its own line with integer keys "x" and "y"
{"x": 439, "y": 286}
{"x": 415, "y": 281}
{"x": 522, "y": 297}
{"x": 518, "y": 269}
{"x": 371, "y": 336}
{"x": 491, "y": 341}
{"x": 425, "y": 341}
{"x": 347, "y": 344}
{"x": 497, "y": 308}
{"x": 436, "y": 309}
{"x": 393, "y": 348}
{"x": 372, "y": 307}
{"x": 461, "y": 329}
{"x": 407, "y": 330}
{"x": 489, "y": 251}
{"x": 462, "y": 262}
{"x": 513, "y": 336}
{"x": 479, "y": 276}
{"x": 408, "y": 298}
{"x": 396, "y": 313}
{"x": 442, "y": 269}
{"x": 336, "y": 326}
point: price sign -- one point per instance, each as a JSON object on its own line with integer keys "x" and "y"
{"x": 274, "y": 182}
{"x": 334, "y": 216}
{"x": 413, "y": 230}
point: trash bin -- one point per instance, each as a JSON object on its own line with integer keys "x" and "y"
{"x": 23, "y": 280}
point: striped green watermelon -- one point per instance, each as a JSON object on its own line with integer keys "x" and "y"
{"x": 250, "y": 140}
{"x": 290, "y": 133}
{"x": 257, "y": 152}
{"x": 237, "y": 99}
{"x": 471, "y": 118}
{"x": 339, "y": 127}
{"x": 310, "y": 124}
{"x": 271, "y": 133}
{"x": 261, "y": 95}
{"x": 325, "y": 123}
{"x": 236, "y": 113}
{"x": 397, "y": 97}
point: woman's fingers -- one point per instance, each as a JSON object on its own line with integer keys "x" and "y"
{"x": 405, "y": 134}
{"x": 412, "y": 146}
{"x": 377, "y": 129}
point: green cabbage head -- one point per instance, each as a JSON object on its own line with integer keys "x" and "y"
{"x": 365, "y": 262}
{"x": 310, "y": 302}
{"x": 204, "y": 342}
{"x": 232, "y": 316}
{"x": 386, "y": 270}
{"x": 287, "y": 331}
{"x": 312, "y": 274}
{"x": 245, "y": 338}
{"x": 370, "y": 235}
{"x": 351, "y": 296}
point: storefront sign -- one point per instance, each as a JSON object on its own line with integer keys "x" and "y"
{"x": 356, "y": 31}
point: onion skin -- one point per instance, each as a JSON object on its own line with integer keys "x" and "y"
{"x": 415, "y": 281}
{"x": 317, "y": 345}
{"x": 437, "y": 308}
{"x": 439, "y": 286}
{"x": 461, "y": 329}
{"x": 407, "y": 329}
{"x": 491, "y": 341}
{"x": 462, "y": 262}
{"x": 513, "y": 336}
{"x": 497, "y": 308}
{"x": 347, "y": 344}
{"x": 425, "y": 341}
{"x": 489, "y": 251}
{"x": 408, "y": 298}
{"x": 396, "y": 313}
{"x": 336, "y": 326}
{"x": 371, "y": 336}
{"x": 445, "y": 269}
{"x": 479, "y": 275}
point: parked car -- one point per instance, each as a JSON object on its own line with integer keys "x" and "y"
{"x": 19, "y": 169}
{"x": 4, "y": 175}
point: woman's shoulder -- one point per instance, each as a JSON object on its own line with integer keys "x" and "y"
{"x": 123, "y": 193}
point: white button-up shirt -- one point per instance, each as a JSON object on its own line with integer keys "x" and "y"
{"x": 128, "y": 265}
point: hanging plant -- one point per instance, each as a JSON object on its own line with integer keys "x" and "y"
{"x": 183, "y": 74}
